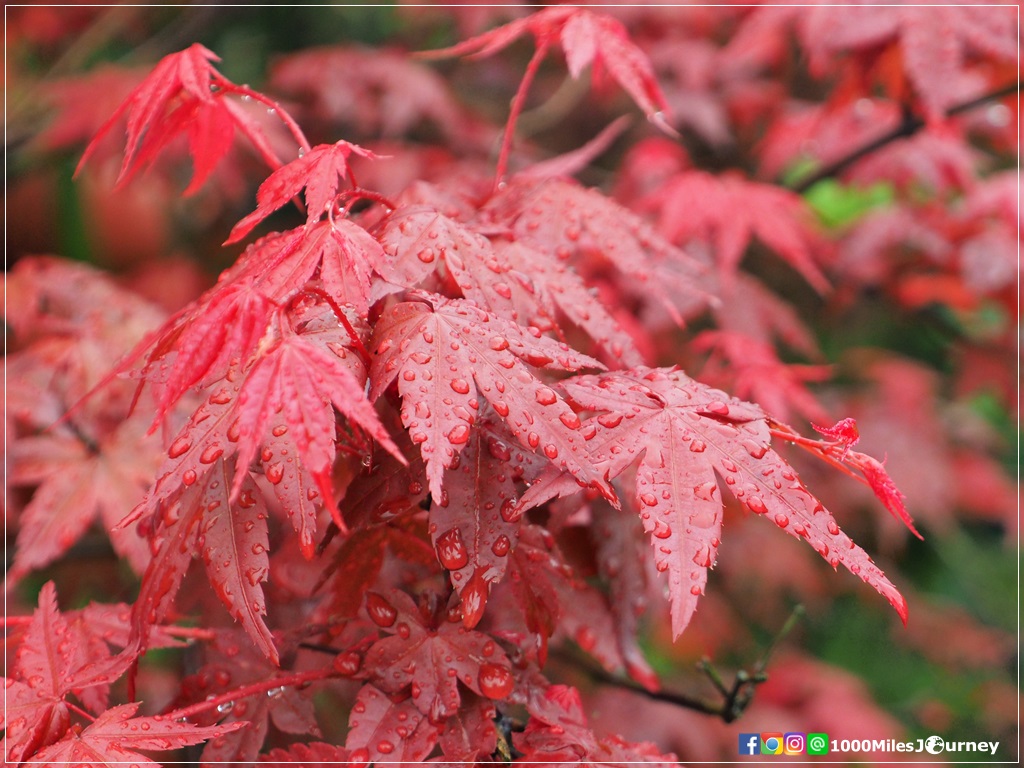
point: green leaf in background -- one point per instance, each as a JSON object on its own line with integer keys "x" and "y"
{"x": 837, "y": 204}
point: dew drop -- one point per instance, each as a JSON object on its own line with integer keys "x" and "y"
{"x": 275, "y": 472}
{"x": 833, "y": 528}
{"x": 697, "y": 446}
{"x": 501, "y": 545}
{"x": 211, "y": 454}
{"x": 459, "y": 434}
{"x": 545, "y": 396}
{"x": 451, "y": 551}
{"x": 189, "y": 477}
{"x": 781, "y": 520}
{"x": 460, "y": 385}
{"x": 495, "y": 681}
{"x": 756, "y": 504}
{"x": 381, "y": 611}
{"x": 178, "y": 447}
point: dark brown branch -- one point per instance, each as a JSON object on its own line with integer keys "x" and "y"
{"x": 735, "y": 698}
{"x": 909, "y": 125}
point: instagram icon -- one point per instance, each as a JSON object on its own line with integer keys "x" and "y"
{"x": 794, "y": 743}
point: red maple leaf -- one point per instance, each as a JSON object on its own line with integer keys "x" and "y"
{"x": 314, "y": 753}
{"x": 936, "y": 45}
{"x": 557, "y": 733}
{"x": 420, "y": 657}
{"x": 184, "y": 94}
{"x": 382, "y": 730}
{"x": 289, "y": 391}
{"x": 570, "y": 223}
{"x": 78, "y": 480}
{"x": 49, "y": 664}
{"x": 115, "y": 736}
{"x": 552, "y": 597}
{"x": 317, "y": 170}
{"x": 378, "y": 92}
{"x": 471, "y": 525}
{"x": 588, "y": 39}
{"x": 728, "y": 211}
{"x": 683, "y": 433}
{"x": 447, "y": 352}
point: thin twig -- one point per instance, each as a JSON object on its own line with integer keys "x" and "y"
{"x": 908, "y": 126}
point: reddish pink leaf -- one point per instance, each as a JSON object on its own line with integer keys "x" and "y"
{"x": 381, "y": 730}
{"x": 728, "y": 212}
{"x": 445, "y": 353}
{"x": 233, "y": 540}
{"x": 314, "y": 753}
{"x": 183, "y": 94}
{"x": 683, "y": 433}
{"x": 587, "y": 38}
{"x": 571, "y": 223}
{"x": 468, "y": 524}
{"x": 301, "y": 380}
{"x": 420, "y": 658}
{"x": 558, "y": 733}
{"x": 318, "y": 171}
{"x": 115, "y": 736}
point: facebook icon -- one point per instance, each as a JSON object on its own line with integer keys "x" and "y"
{"x": 750, "y": 744}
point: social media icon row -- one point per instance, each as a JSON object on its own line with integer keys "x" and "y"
{"x": 783, "y": 743}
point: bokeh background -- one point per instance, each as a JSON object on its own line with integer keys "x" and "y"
{"x": 917, "y": 339}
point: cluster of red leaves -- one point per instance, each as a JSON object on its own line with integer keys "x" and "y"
{"x": 389, "y": 432}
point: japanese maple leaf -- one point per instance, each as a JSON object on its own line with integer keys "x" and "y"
{"x": 588, "y": 39}
{"x": 115, "y": 736}
{"x": 445, "y": 353}
{"x": 317, "y": 170}
{"x": 226, "y": 324}
{"x": 314, "y": 753}
{"x": 419, "y": 241}
{"x": 510, "y": 280}
{"x": 471, "y": 525}
{"x": 34, "y": 713}
{"x": 936, "y": 45}
{"x": 79, "y": 481}
{"x": 557, "y": 733}
{"x": 470, "y": 734}
{"x": 196, "y": 512}
{"x": 419, "y": 657}
{"x": 728, "y": 211}
{"x": 571, "y": 223}
{"x": 184, "y": 94}
{"x": 300, "y": 380}
{"x": 381, "y": 730}
{"x": 48, "y": 665}
{"x": 621, "y": 556}
{"x": 553, "y": 598}
{"x": 683, "y": 433}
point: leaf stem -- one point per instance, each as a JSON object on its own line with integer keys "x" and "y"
{"x": 517, "y": 106}
{"x": 284, "y": 681}
{"x": 907, "y": 127}
{"x": 293, "y": 128}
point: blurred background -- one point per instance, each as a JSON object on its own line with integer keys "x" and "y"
{"x": 916, "y": 336}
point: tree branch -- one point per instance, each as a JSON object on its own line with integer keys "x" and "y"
{"x": 736, "y": 697}
{"x": 909, "y": 125}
